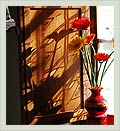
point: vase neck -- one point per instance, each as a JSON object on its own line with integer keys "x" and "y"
{"x": 95, "y": 91}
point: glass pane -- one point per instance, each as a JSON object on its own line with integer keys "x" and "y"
{"x": 105, "y": 28}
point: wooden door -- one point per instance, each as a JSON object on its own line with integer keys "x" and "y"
{"x": 50, "y": 73}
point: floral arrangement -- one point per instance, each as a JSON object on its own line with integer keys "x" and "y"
{"x": 83, "y": 44}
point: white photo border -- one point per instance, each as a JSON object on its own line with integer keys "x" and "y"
{"x": 3, "y": 4}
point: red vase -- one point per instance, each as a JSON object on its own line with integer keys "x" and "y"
{"x": 96, "y": 104}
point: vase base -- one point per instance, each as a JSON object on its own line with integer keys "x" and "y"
{"x": 97, "y": 120}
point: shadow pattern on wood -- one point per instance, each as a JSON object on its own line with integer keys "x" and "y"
{"x": 41, "y": 94}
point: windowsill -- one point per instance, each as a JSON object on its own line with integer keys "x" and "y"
{"x": 78, "y": 118}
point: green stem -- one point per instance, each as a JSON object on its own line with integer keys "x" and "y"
{"x": 104, "y": 69}
{"x": 94, "y": 70}
{"x": 85, "y": 65}
{"x": 98, "y": 73}
{"x": 86, "y": 56}
{"x": 107, "y": 67}
{"x": 91, "y": 67}
{"x": 93, "y": 48}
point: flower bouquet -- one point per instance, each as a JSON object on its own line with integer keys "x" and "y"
{"x": 84, "y": 44}
{"x": 96, "y": 104}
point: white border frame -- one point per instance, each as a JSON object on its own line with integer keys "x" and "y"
{"x": 3, "y": 4}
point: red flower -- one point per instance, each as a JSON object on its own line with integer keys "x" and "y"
{"x": 81, "y": 24}
{"x": 101, "y": 57}
{"x": 90, "y": 37}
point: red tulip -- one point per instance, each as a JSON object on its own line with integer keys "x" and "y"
{"x": 101, "y": 57}
{"x": 81, "y": 23}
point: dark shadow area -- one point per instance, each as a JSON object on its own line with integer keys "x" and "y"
{"x": 39, "y": 19}
{"x": 55, "y": 119}
{"x": 44, "y": 92}
{"x": 41, "y": 95}
{"x": 13, "y": 112}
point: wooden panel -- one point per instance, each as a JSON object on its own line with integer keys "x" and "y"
{"x": 53, "y": 73}
{"x": 55, "y": 62}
